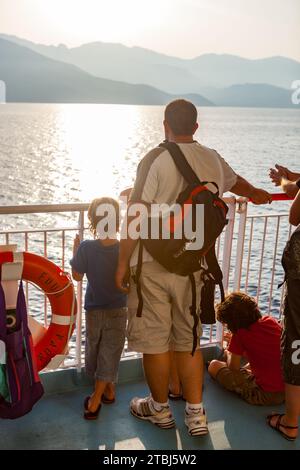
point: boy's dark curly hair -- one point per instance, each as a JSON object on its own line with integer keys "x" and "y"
{"x": 238, "y": 310}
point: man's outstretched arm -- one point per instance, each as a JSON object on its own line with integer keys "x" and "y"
{"x": 243, "y": 188}
{"x": 289, "y": 187}
{"x": 295, "y": 211}
{"x": 127, "y": 247}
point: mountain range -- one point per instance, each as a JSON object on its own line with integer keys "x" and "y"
{"x": 117, "y": 73}
{"x": 32, "y": 77}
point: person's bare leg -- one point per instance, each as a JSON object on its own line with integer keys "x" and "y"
{"x": 292, "y": 414}
{"x": 157, "y": 372}
{"x": 190, "y": 371}
{"x": 109, "y": 391}
{"x": 215, "y": 366}
{"x": 175, "y": 385}
{"x": 96, "y": 397}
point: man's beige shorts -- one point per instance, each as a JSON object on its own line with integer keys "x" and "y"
{"x": 166, "y": 322}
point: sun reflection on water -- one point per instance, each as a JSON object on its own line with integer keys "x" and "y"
{"x": 104, "y": 144}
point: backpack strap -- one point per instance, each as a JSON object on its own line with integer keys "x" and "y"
{"x": 3, "y": 327}
{"x": 193, "y": 310}
{"x": 181, "y": 163}
{"x": 21, "y": 312}
{"x": 222, "y": 291}
{"x": 183, "y": 166}
{"x": 138, "y": 280}
{"x": 213, "y": 268}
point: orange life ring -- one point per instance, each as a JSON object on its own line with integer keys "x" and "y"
{"x": 59, "y": 289}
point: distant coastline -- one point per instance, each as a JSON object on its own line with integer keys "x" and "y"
{"x": 245, "y": 108}
{"x": 104, "y": 74}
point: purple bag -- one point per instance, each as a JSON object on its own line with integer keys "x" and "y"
{"x": 23, "y": 383}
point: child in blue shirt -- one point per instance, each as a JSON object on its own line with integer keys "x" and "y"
{"x": 105, "y": 305}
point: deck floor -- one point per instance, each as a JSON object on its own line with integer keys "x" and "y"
{"x": 56, "y": 423}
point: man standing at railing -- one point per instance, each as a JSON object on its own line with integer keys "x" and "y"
{"x": 166, "y": 321}
{"x": 287, "y": 424}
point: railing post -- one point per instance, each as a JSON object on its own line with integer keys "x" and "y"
{"x": 79, "y": 303}
{"x": 227, "y": 248}
{"x": 261, "y": 259}
{"x": 45, "y": 297}
{"x": 274, "y": 266}
{"x": 242, "y": 210}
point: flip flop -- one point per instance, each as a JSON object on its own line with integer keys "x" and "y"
{"x": 108, "y": 401}
{"x": 278, "y": 425}
{"x": 89, "y": 415}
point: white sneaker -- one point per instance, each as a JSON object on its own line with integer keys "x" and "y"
{"x": 143, "y": 408}
{"x": 196, "y": 423}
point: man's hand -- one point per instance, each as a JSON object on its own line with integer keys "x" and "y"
{"x": 276, "y": 174}
{"x": 76, "y": 244}
{"x": 260, "y": 196}
{"x": 279, "y": 173}
{"x": 243, "y": 188}
{"x": 122, "y": 278}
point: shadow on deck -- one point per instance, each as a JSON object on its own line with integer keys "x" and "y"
{"x": 56, "y": 423}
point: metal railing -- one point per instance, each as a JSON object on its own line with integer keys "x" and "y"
{"x": 27, "y": 240}
{"x": 241, "y": 256}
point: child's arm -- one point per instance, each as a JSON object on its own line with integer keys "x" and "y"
{"x": 235, "y": 353}
{"x": 76, "y": 276}
{"x": 126, "y": 192}
{"x": 233, "y": 361}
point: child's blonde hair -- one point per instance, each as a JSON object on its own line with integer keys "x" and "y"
{"x": 94, "y": 219}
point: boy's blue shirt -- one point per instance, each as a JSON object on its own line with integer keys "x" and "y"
{"x": 99, "y": 263}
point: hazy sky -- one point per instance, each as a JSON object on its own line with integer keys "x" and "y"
{"x": 185, "y": 28}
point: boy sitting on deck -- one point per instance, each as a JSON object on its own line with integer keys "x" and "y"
{"x": 105, "y": 305}
{"x": 257, "y": 339}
